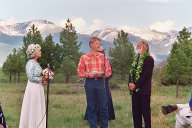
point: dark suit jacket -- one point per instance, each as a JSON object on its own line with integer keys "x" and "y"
{"x": 2, "y": 118}
{"x": 144, "y": 82}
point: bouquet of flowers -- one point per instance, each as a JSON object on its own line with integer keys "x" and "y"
{"x": 45, "y": 73}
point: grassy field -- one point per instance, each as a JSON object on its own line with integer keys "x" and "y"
{"x": 68, "y": 103}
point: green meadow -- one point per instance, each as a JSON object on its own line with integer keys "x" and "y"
{"x": 68, "y": 103}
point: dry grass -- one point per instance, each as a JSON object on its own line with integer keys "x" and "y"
{"x": 68, "y": 103}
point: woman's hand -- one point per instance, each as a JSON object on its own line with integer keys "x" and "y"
{"x": 44, "y": 81}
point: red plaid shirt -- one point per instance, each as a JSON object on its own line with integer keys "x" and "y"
{"x": 88, "y": 63}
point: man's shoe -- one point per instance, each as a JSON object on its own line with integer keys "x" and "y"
{"x": 168, "y": 109}
{"x": 99, "y": 124}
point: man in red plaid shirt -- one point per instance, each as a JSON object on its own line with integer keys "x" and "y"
{"x": 91, "y": 67}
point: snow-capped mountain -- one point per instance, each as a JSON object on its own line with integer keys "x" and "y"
{"x": 20, "y": 29}
{"x": 160, "y": 43}
{"x": 109, "y": 33}
{"x": 147, "y": 34}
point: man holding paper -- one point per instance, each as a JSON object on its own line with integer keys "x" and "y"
{"x": 91, "y": 67}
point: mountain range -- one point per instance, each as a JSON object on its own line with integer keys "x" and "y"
{"x": 160, "y": 43}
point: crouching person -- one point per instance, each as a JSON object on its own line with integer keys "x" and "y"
{"x": 184, "y": 113}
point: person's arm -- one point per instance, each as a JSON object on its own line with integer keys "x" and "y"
{"x": 44, "y": 81}
{"x": 30, "y": 71}
{"x": 147, "y": 70}
{"x": 111, "y": 71}
{"x": 81, "y": 69}
{"x": 108, "y": 70}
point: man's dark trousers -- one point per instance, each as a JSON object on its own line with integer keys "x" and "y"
{"x": 94, "y": 90}
{"x": 141, "y": 107}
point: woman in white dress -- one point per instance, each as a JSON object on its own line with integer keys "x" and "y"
{"x": 33, "y": 107}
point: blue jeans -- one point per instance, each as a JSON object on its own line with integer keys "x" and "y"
{"x": 95, "y": 91}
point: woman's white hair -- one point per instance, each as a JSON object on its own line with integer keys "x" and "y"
{"x": 31, "y": 50}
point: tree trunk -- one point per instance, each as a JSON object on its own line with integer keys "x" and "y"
{"x": 177, "y": 86}
{"x": 67, "y": 79}
{"x": 15, "y": 78}
{"x": 10, "y": 77}
{"x": 122, "y": 77}
{"x": 18, "y": 75}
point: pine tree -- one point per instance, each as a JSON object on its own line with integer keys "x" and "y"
{"x": 6, "y": 68}
{"x": 68, "y": 68}
{"x": 13, "y": 61}
{"x": 51, "y": 53}
{"x": 20, "y": 64}
{"x": 32, "y": 37}
{"x": 14, "y": 65}
{"x": 122, "y": 55}
{"x": 179, "y": 67}
{"x": 70, "y": 47}
{"x": 185, "y": 42}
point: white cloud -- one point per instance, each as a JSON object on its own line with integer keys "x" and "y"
{"x": 8, "y": 22}
{"x": 162, "y": 1}
{"x": 79, "y": 23}
{"x": 159, "y": 1}
{"x": 62, "y": 23}
{"x": 97, "y": 23}
{"x": 129, "y": 29}
{"x": 163, "y": 26}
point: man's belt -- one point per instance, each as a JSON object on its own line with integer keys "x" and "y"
{"x": 96, "y": 78}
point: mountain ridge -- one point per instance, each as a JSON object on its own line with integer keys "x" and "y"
{"x": 160, "y": 43}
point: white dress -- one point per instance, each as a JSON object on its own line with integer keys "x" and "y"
{"x": 33, "y": 107}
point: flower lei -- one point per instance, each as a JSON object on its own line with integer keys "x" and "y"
{"x": 32, "y": 50}
{"x": 137, "y": 69}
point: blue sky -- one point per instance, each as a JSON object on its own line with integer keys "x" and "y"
{"x": 162, "y": 15}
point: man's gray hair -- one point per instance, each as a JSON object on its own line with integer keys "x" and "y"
{"x": 32, "y": 50}
{"x": 145, "y": 44}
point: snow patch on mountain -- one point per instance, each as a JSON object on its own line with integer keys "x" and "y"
{"x": 107, "y": 33}
{"x": 147, "y": 34}
{"x": 160, "y": 43}
{"x": 21, "y": 29}
{"x": 154, "y": 57}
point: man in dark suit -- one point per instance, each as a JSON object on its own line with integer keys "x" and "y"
{"x": 140, "y": 85}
